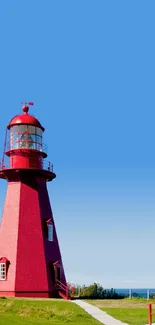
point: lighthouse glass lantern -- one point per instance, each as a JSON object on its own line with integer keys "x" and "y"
{"x": 25, "y": 136}
{"x": 30, "y": 259}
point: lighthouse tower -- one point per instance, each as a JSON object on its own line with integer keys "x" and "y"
{"x": 30, "y": 258}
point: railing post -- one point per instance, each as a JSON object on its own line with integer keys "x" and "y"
{"x": 148, "y": 294}
{"x": 150, "y": 313}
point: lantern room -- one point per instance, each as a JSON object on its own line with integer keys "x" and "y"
{"x": 24, "y": 141}
{"x": 25, "y": 132}
{"x": 25, "y": 136}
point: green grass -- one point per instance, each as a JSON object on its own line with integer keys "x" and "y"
{"x": 42, "y": 312}
{"x": 131, "y": 311}
{"x": 131, "y": 316}
{"x": 121, "y": 303}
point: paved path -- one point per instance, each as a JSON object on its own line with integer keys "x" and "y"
{"x": 98, "y": 314}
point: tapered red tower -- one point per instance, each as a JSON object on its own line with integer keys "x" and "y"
{"x": 30, "y": 259}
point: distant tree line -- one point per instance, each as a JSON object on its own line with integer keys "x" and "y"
{"x": 95, "y": 291}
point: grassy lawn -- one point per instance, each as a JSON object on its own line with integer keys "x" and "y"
{"x": 132, "y": 316}
{"x": 130, "y": 311}
{"x": 42, "y": 312}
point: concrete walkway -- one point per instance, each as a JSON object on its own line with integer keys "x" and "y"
{"x": 98, "y": 314}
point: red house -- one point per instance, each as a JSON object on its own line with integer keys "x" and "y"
{"x": 30, "y": 258}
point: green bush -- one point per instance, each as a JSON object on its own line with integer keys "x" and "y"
{"x": 96, "y": 291}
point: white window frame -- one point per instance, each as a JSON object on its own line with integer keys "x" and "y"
{"x": 50, "y": 231}
{"x": 2, "y": 271}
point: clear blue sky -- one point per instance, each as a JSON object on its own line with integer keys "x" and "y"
{"x": 89, "y": 66}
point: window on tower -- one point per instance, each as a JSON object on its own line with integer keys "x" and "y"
{"x": 4, "y": 265}
{"x": 3, "y": 271}
{"x": 50, "y": 231}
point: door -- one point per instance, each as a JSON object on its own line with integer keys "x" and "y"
{"x": 57, "y": 273}
{"x": 52, "y": 272}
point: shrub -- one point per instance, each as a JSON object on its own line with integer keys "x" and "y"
{"x": 96, "y": 291}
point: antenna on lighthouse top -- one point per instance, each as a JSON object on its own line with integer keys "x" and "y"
{"x": 25, "y": 107}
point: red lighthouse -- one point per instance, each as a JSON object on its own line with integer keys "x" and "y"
{"x": 30, "y": 258}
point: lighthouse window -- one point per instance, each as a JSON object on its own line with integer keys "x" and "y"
{"x": 26, "y": 141}
{"x": 50, "y": 232}
{"x": 31, "y": 129}
{"x": 13, "y": 137}
{"x": 39, "y": 131}
{"x": 14, "y": 129}
{"x": 38, "y": 139}
{"x": 22, "y": 128}
{"x": 13, "y": 141}
{"x": 2, "y": 271}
